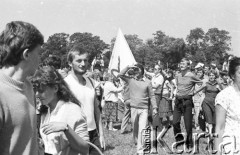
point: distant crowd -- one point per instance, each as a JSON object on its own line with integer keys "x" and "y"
{"x": 50, "y": 109}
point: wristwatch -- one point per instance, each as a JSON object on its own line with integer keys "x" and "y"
{"x": 66, "y": 128}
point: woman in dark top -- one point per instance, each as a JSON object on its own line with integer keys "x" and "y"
{"x": 211, "y": 89}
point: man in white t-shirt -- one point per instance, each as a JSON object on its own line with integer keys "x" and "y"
{"x": 83, "y": 89}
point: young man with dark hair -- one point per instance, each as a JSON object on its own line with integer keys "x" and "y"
{"x": 140, "y": 90}
{"x": 183, "y": 104}
{"x": 20, "y": 48}
{"x": 84, "y": 90}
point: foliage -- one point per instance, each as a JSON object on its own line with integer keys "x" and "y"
{"x": 92, "y": 44}
{"x": 199, "y": 47}
{"x": 55, "y": 45}
{"x": 59, "y": 44}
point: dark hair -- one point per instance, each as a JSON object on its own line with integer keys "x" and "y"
{"x": 201, "y": 69}
{"x": 213, "y": 72}
{"x": 234, "y": 63}
{"x": 140, "y": 67}
{"x": 53, "y": 60}
{"x": 223, "y": 73}
{"x": 75, "y": 49}
{"x": 48, "y": 76}
{"x": 186, "y": 59}
{"x": 17, "y": 37}
{"x": 170, "y": 78}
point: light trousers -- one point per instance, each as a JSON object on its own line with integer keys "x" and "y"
{"x": 139, "y": 119}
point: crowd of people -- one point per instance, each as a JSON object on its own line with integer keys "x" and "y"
{"x": 50, "y": 109}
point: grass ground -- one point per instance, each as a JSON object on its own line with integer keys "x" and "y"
{"x": 122, "y": 144}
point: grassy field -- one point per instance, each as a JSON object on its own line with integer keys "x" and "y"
{"x": 122, "y": 144}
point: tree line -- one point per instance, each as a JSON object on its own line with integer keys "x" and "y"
{"x": 198, "y": 46}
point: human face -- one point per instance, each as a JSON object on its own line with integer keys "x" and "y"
{"x": 184, "y": 65}
{"x": 170, "y": 75}
{"x": 199, "y": 74}
{"x": 34, "y": 59}
{"x": 46, "y": 94}
{"x": 212, "y": 77}
{"x": 157, "y": 69}
{"x": 80, "y": 63}
{"x": 206, "y": 69}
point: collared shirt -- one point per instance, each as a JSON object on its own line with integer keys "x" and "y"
{"x": 185, "y": 83}
{"x": 67, "y": 112}
{"x": 110, "y": 92}
{"x": 157, "y": 81}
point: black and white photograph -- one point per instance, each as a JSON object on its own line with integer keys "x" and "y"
{"x": 119, "y": 77}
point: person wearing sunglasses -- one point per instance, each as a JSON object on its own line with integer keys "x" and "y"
{"x": 63, "y": 126}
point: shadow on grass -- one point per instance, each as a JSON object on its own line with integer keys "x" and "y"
{"x": 109, "y": 147}
{"x": 117, "y": 126}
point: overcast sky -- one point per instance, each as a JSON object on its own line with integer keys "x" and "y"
{"x": 142, "y": 17}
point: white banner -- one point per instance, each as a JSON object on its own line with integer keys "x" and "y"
{"x": 121, "y": 55}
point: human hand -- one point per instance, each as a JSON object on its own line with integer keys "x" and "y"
{"x": 154, "y": 112}
{"x": 53, "y": 127}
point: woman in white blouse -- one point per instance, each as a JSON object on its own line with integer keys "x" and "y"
{"x": 63, "y": 126}
{"x": 110, "y": 96}
{"x": 228, "y": 114}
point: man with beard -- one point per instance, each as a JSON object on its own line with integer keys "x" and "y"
{"x": 83, "y": 89}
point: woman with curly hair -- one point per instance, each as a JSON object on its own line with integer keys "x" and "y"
{"x": 211, "y": 89}
{"x": 63, "y": 126}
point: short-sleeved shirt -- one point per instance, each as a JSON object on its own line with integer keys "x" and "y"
{"x": 157, "y": 80}
{"x": 185, "y": 83}
{"x": 70, "y": 113}
{"x": 110, "y": 92}
{"x": 229, "y": 99}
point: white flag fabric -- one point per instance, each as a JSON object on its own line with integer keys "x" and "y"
{"x": 121, "y": 55}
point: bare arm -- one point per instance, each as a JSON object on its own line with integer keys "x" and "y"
{"x": 122, "y": 73}
{"x": 148, "y": 73}
{"x": 219, "y": 87}
{"x": 152, "y": 96}
{"x": 220, "y": 126}
{"x": 1, "y": 116}
{"x": 117, "y": 90}
{"x": 200, "y": 89}
{"x": 98, "y": 120}
{"x": 76, "y": 142}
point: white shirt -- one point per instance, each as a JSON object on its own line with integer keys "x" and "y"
{"x": 110, "y": 92}
{"x": 229, "y": 99}
{"x": 86, "y": 96}
{"x": 157, "y": 80}
{"x": 70, "y": 113}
